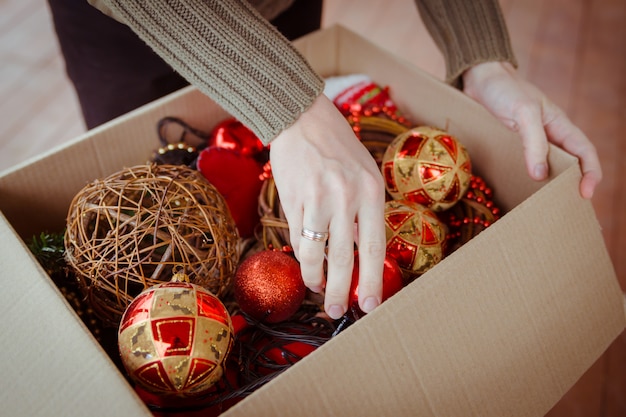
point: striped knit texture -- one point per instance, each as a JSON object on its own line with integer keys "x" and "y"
{"x": 467, "y": 33}
{"x": 230, "y": 53}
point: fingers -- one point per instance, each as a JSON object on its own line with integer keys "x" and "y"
{"x": 535, "y": 142}
{"x": 371, "y": 256}
{"x": 563, "y": 133}
{"x": 542, "y": 122}
{"x": 524, "y": 108}
{"x": 340, "y": 264}
{"x": 311, "y": 254}
{"x": 339, "y": 253}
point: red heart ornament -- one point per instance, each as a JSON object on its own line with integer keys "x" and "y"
{"x": 237, "y": 178}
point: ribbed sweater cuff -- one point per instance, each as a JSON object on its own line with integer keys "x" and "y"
{"x": 467, "y": 33}
{"x": 232, "y": 54}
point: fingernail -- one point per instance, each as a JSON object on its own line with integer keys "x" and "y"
{"x": 316, "y": 290}
{"x": 370, "y": 304}
{"x": 335, "y": 311}
{"x": 541, "y": 171}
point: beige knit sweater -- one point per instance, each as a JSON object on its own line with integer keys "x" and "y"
{"x": 230, "y": 51}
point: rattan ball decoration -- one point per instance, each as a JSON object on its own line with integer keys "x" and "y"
{"x": 428, "y": 166}
{"x": 127, "y": 232}
{"x": 174, "y": 338}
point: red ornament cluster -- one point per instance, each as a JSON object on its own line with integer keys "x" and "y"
{"x": 354, "y": 113}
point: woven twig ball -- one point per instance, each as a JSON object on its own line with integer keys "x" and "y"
{"x": 137, "y": 227}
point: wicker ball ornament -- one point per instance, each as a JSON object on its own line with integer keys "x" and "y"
{"x": 174, "y": 338}
{"x": 427, "y": 166}
{"x": 127, "y": 232}
{"x": 415, "y": 236}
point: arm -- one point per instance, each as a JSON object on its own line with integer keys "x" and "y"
{"x": 467, "y": 33}
{"x": 231, "y": 53}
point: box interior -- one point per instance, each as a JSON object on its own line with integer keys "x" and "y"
{"x": 504, "y": 326}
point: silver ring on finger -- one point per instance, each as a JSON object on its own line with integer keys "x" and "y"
{"x": 313, "y": 235}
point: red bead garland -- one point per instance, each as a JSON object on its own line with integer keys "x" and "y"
{"x": 356, "y": 111}
{"x": 475, "y": 212}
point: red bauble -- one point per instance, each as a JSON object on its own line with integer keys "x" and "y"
{"x": 274, "y": 353}
{"x": 289, "y": 353}
{"x": 268, "y": 286}
{"x": 233, "y": 135}
{"x": 392, "y": 283}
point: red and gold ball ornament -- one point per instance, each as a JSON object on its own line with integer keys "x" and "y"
{"x": 174, "y": 338}
{"x": 392, "y": 283}
{"x": 428, "y": 166}
{"x": 415, "y": 236}
{"x": 268, "y": 286}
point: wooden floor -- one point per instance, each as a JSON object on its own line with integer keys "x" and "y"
{"x": 575, "y": 50}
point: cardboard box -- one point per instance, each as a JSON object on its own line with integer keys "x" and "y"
{"x": 502, "y": 327}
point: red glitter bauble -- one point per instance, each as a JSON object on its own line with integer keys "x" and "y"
{"x": 268, "y": 286}
{"x": 392, "y": 283}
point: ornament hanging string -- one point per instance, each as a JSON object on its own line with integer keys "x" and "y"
{"x": 187, "y": 132}
{"x": 180, "y": 150}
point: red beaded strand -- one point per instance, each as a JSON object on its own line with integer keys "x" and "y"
{"x": 480, "y": 212}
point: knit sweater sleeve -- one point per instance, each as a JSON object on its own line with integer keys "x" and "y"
{"x": 467, "y": 33}
{"x": 230, "y": 53}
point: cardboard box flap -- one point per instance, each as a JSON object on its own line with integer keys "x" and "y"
{"x": 48, "y": 357}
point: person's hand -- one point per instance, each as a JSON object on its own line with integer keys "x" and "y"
{"x": 327, "y": 181}
{"x": 522, "y": 107}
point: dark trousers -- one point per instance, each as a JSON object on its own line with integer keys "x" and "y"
{"x": 113, "y": 71}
